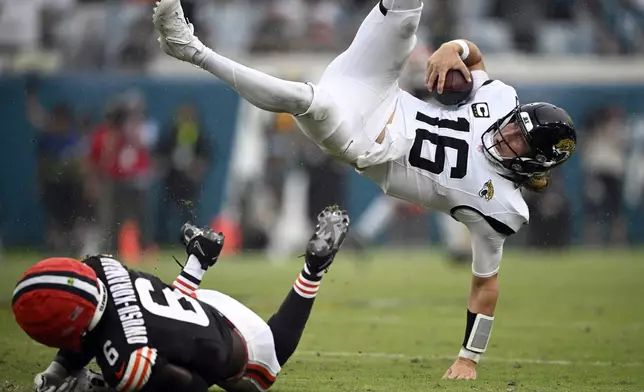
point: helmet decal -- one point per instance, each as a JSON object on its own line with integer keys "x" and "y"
{"x": 565, "y": 146}
{"x": 487, "y": 192}
{"x": 525, "y": 118}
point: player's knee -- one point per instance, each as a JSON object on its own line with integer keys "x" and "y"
{"x": 322, "y": 118}
{"x": 320, "y": 107}
{"x": 408, "y": 28}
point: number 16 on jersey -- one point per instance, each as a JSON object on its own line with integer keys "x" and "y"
{"x": 437, "y": 165}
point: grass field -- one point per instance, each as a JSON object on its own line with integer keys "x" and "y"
{"x": 571, "y": 322}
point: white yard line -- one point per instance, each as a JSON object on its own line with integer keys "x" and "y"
{"x": 341, "y": 354}
{"x": 397, "y": 320}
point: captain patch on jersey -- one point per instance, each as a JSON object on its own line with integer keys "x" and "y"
{"x": 481, "y": 110}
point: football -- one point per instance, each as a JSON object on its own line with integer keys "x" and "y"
{"x": 456, "y": 89}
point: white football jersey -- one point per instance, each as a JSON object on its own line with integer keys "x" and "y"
{"x": 436, "y": 158}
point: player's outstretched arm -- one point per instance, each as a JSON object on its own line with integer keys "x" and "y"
{"x": 487, "y": 249}
{"x": 484, "y": 293}
{"x": 64, "y": 363}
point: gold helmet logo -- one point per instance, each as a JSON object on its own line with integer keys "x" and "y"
{"x": 487, "y": 192}
{"x": 565, "y": 146}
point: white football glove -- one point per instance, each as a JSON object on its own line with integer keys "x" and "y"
{"x": 54, "y": 379}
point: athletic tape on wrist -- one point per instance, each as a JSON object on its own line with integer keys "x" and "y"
{"x": 465, "y": 47}
{"x": 467, "y": 354}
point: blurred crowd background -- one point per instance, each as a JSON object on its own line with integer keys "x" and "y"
{"x": 108, "y": 146}
{"x": 117, "y": 35}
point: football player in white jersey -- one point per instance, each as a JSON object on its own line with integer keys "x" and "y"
{"x": 468, "y": 160}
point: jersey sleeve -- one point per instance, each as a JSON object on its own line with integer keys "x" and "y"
{"x": 136, "y": 371}
{"x": 479, "y": 78}
{"x": 487, "y": 243}
{"x": 93, "y": 262}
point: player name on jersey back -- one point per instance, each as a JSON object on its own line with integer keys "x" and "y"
{"x": 148, "y": 321}
{"x": 119, "y": 283}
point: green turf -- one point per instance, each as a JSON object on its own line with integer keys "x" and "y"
{"x": 571, "y": 322}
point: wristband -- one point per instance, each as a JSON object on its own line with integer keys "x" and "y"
{"x": 465, "y": 47}
{"x": 467, "y": 354}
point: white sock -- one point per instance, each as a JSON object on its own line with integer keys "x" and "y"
{"x": 307, "y": 285}
{"x": 190, "y": 278}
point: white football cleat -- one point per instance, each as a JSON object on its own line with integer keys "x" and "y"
{"x": 177, "y": 35}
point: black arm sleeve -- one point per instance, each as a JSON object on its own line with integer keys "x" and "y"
{"x": 73, "y": 361}
{"x": 172, "y": 378}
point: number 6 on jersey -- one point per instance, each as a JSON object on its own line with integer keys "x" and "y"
{"x": 173, "y": 310}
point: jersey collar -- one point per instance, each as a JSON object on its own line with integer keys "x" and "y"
{"x": 100, "y": 309}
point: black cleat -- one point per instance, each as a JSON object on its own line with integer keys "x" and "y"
{"x": 204, "y": 244}
{"x": 332, "y": 228}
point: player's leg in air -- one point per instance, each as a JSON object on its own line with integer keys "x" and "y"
{"x": 269, "y": 344}
{"x": 346, "y": 112}
{"x": 290, "y": 319}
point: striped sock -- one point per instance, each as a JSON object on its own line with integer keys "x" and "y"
{"x": 307, "y": 285}
{"x": 190, "y": 278}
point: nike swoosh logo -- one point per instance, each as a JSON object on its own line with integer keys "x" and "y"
{"x": 119, "y": 374}
{"x": 347, "y": 149}
{"x": 198, "y": 246}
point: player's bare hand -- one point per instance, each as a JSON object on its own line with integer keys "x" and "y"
{"x": 442, "y": 60}
{"x": 462, "y": 369}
